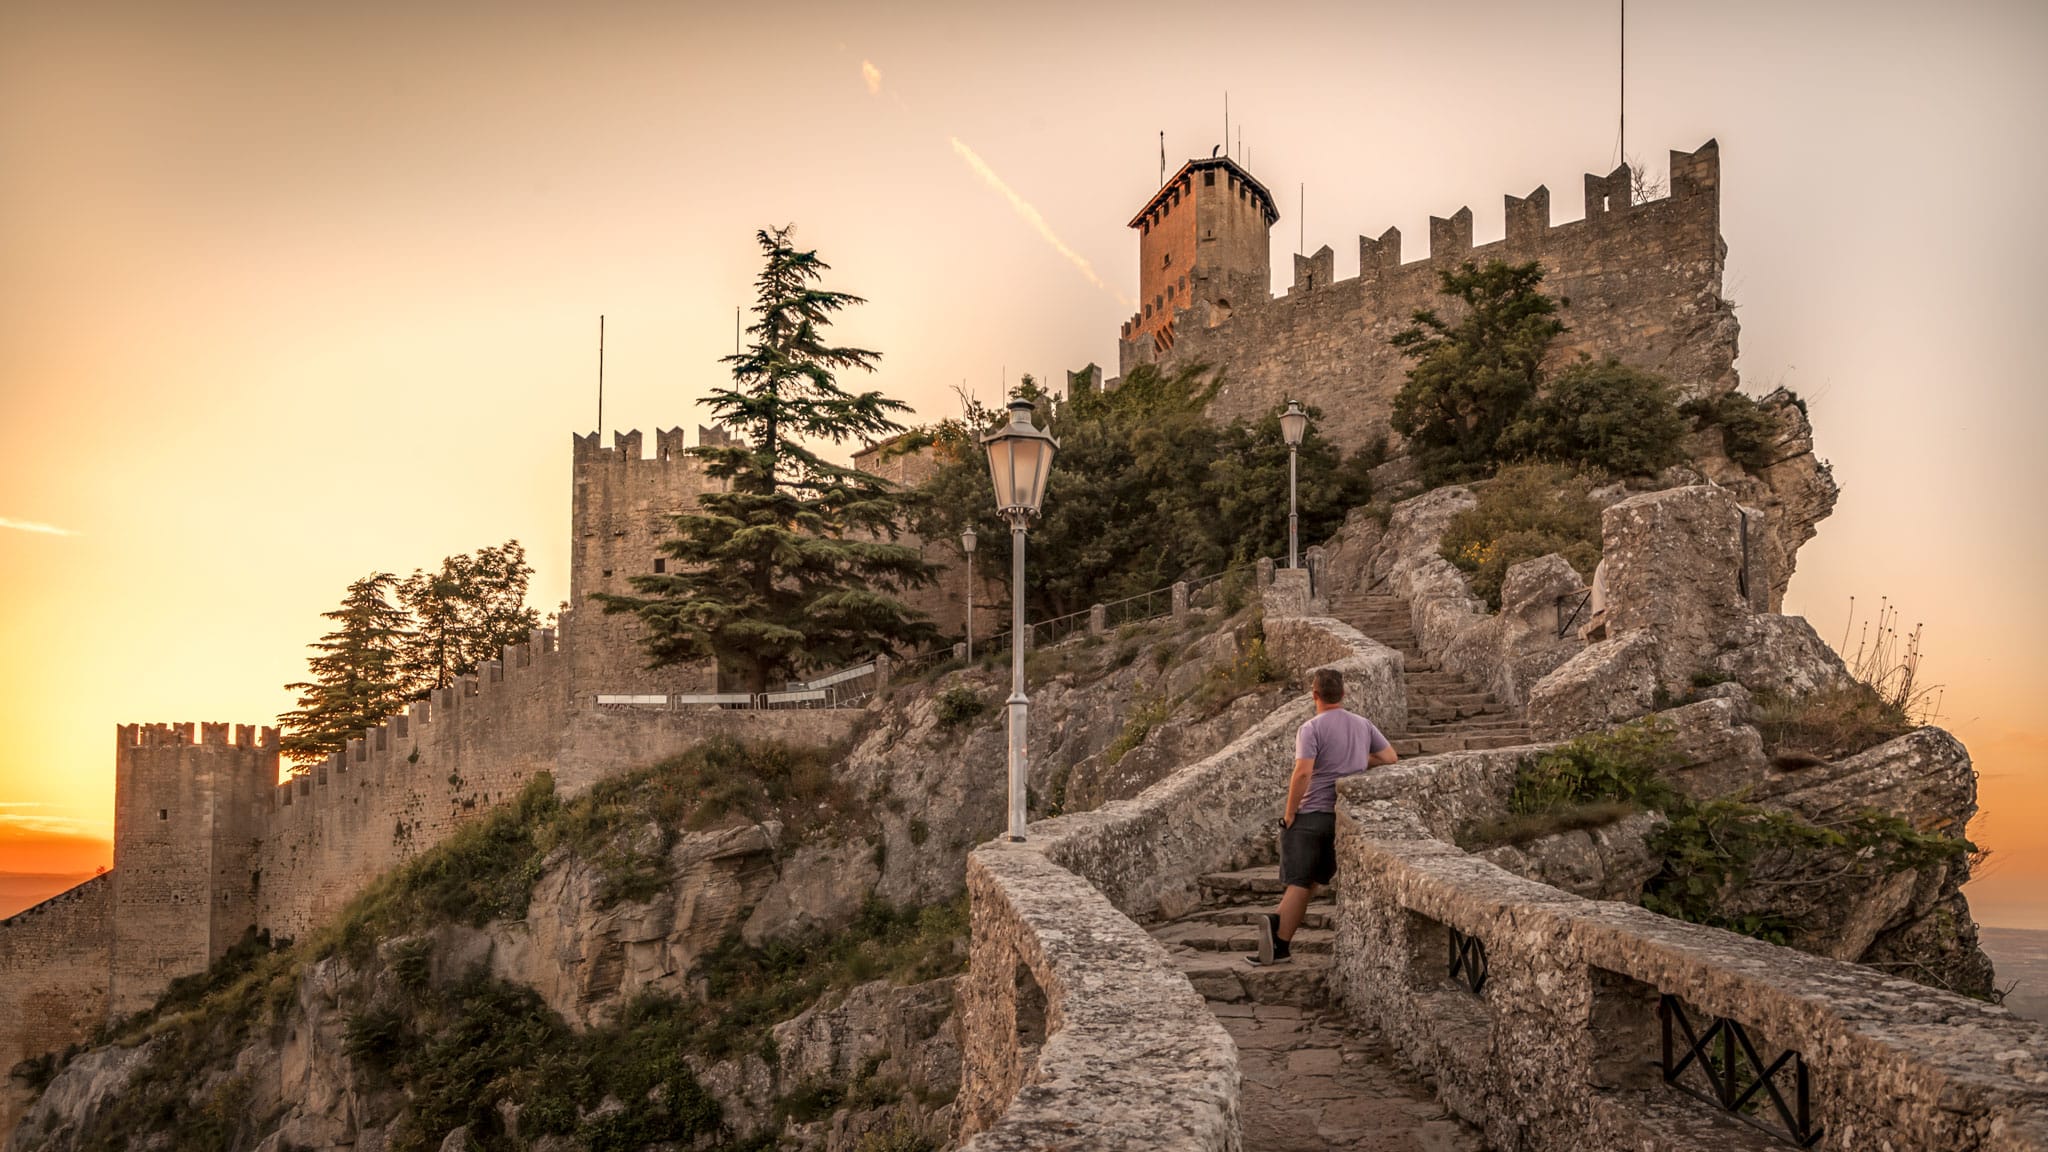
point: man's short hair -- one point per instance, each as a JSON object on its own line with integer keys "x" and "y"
{"x": 1328, "y": 685}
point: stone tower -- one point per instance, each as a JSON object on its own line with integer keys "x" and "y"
{"x": 620, "y": 514}
{"x": 188, "y": 816}
{"x": 1203, "y": 249}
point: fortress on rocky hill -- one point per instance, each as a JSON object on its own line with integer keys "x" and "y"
{"x": 209, "y": 844}
{"x": 1641, "y": 282}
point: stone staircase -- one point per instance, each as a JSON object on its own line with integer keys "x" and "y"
{"x": 1311, "y": 1082}
{"x": 1446, "y": 712}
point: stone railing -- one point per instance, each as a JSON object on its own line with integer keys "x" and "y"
{"x": 1079, "y": 1030}
{"x": 1588, "y": 1015}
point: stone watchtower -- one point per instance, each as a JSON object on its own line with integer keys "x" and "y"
{"x": 1203, "y": 248}
{"x": 621, "y": 513}
{"x": 187, "y": 819}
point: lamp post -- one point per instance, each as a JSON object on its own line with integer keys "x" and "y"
{"x": 1293, "y": 423}
{"x": 967, "y": 546}
{"x": 1019, "y": 460}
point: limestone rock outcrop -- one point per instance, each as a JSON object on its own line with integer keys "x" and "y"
{"x": 1610, "y": 862}
{"x": 585, "y": 955}
{"x": 1605, "y": 683}
{"x": 1509, "y": 651}
{"x": 1683, "y": 592}
{"x": 1794, "y": 488}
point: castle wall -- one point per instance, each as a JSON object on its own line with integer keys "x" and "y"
{"x": 188, "y": 815}
{"x": 405, "y": 785}
{"x": 1642, "y": 282}
{"x": 621, "y": 513}
{"x": 55, "y": 957}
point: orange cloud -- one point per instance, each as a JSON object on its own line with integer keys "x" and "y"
{"x": 872, "y": 77}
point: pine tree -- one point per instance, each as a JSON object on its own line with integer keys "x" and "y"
{"x": 357, "y": 678}
{"x": 793, "y": 566}
{"x": 463, "y": 614}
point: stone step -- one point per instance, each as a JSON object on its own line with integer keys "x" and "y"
{"x": 1505, "y": 740}
{"x": 1437, "y": 682}
{"x": 1470, "y": 698}
{"x": 1423, "y": 716}
{"x": 1442, "y": 718}
{"x": 1230, "y": 979}
{"x": 1320, "y": 914}
{"x": 1241, "y": 939}
{"x": 1405, "y": 747}
{"x": 1467, "y": 728}
{"x": 1247, "y": 885}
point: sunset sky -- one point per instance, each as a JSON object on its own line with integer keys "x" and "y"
{"x": 294, "y": 292}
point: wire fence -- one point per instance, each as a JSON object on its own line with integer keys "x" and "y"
{"x": 854, "y": 686}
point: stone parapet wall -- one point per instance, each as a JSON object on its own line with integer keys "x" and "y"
{"x": 1560, "y": 1049}
{"x": 1078, "y": 1031}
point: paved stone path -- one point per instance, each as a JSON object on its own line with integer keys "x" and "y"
{"x": 1312, "y": 1083}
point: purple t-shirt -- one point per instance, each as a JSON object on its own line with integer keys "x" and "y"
{"x": 1339, "y": 742}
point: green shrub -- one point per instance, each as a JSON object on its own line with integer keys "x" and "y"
{"x": 1838, "y": 720}
{"x": 1137, "y": 726}
{"x": 1747, "y": 429}
{"x": 1251, "y": 669}
{"x": 1472, "y": 379}
{"x": 958, "y": 705}
{"x": 1624, "y": 764}
{"x": 1591, "y": 781}
{"x": 1602, "y": 415}
{"x": 1526, "y": 511}
{"x": 1742, "y": 867}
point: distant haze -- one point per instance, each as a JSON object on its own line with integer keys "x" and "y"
{"x": 289, "y": 293}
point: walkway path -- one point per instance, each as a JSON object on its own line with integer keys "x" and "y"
{"x": 1312, "y": 1083}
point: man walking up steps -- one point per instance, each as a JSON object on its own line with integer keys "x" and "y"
{"x": 1333, "y": 744}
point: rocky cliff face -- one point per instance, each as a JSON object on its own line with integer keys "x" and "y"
{"x": 659, "y": 973}
{"x": 1687, "y": 615}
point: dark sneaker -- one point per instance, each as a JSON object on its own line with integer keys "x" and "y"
{"x": 1272, "y": 950}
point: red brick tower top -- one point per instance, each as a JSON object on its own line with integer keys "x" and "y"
{"x": 1203, "y": 246}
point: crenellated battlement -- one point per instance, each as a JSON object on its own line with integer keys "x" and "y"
{"x": 670, "y": 445}
{"x": 174, "y": 735}
{"x": 1640, "y": 281}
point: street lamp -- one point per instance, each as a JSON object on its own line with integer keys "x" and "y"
{"x": 1019, "y": 460}
{"x": 1293, "y": 423}
{"x": 967, "y": 546}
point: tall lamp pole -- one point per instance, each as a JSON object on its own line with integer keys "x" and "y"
{"x": 1019, "y": 460}
{"x": 1293, "y": 423}
{"x": 967, "y": 546}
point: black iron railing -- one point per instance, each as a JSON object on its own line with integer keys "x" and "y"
{"x": 1468, "y": 960}
{"x": 1578, "y": 602}
{"x": 1738, "y": 1080}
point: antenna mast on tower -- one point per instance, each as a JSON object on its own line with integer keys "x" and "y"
{"x": 600, "y": 376}
{"x": 1162, "y": 158}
